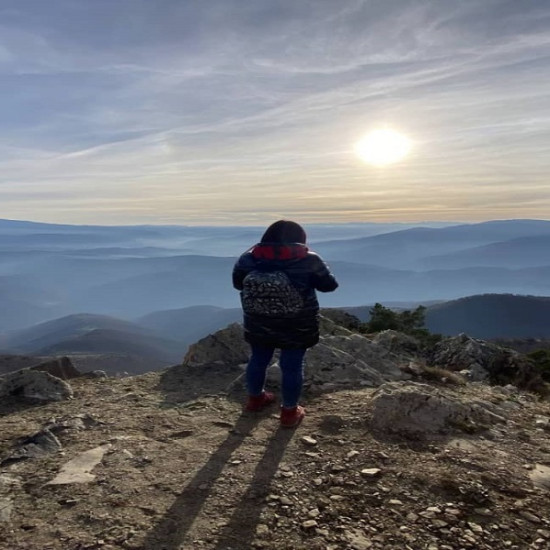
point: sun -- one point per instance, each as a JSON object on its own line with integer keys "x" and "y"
{"x": 382, "y": 147}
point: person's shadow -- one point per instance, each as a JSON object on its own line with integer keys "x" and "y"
{"x": 238, "y": 533}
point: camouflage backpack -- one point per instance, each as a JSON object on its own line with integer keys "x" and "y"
{"x": 270, "y": 294}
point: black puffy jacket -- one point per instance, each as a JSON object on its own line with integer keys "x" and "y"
{"x": 307, "y": 272}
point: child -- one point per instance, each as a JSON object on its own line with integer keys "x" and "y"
{"x": 278, "y": 278}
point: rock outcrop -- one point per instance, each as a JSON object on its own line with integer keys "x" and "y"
{"x": 342, "y": 359}
{"x": 464, "y": 353}
{"x": 483, "y": 361}
{"x": 226, "y": 346}
{"x": 34, "y": 384}
{"x": 37, "y": 445}
{"x": 419, "y": 409}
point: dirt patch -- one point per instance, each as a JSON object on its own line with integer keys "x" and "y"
{"x": 186, "y": 470}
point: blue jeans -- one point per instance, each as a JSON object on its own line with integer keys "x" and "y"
{"x": 291, "y": 362}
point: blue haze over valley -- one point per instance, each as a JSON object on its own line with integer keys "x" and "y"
{"x": 152, "y": 290}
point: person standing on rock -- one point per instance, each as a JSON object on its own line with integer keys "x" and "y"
{"x": 277, "y": 279}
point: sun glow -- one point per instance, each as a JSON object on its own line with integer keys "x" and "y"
{"x": 382, "y": 147}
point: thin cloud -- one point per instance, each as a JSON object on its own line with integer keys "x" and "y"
{"x": 207, "y": 111}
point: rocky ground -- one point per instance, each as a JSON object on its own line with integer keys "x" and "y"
{"x": 160, "y": 465}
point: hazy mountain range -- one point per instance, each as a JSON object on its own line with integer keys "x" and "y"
{"x": 162, "y": 338}
{"x": 149, "y": 291}
{"x": 49, "y": 271}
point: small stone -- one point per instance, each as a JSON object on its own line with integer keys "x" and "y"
{"x": 262, "y": 530}
{"x": 529, "y": 516}
{"x": 371, "y": 472}
{"x": 68, "y": 501}
{"x": 352, "y": 454}
{"x": 222, "y": 523}
{"x": 318, "y": 481}
{"x": 476, "y": 528}
{"x": 395, "y": 502}
{"x": 236, "y": 462}
{"x": 434, "y": 509}
{"x": 309, "y": 524}
{"x": 313, "y": 513}
{"x": 337, "y": 468}
{"x": 544, "y": 533}
{"x": 337, "y": 498}
{"x": 439, "y": 523}
{"x": 285, "y": 501}
{"x": 412, "y": 517}
{"x": 308, "y": 440}
{"x": 6, "y": 508}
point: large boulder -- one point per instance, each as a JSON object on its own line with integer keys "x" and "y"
{"x": 226, "y": 346}
{"x": 34, "y": 384}
{"x": 397, "y": 342}
{"x": 484, "y": 361}
{"x": 342, "y": 359}
{"x": 415, "y": 409}
{"x": 464, "y": 353}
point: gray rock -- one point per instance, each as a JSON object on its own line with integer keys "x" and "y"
{"x": 96, "y": 374}
{"x": 485, "y": 361}
{"x": 462, "y": 352}
{"x": 6, "y": 508}
{"x": 227, "y": 346}
{"x": 341, "y": 360}
{"x": 34, "y": 384}
{"x": 540, "y": 476}
{"x": 36, "y": 446}
{"x": 412, "y": 408}
{"x": 397, "y": 342}
{"x": 79, "y": 469}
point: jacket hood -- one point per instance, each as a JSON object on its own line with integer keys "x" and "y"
{"x": 278, "y": 251}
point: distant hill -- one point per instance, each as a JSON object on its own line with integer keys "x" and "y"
{"x": 492, "y": 316}
{"x": 187, "y": 325}
{"x": 519, "y": 253}
{"x": 502, "y": 317}
{"x": 51, "y": 332}
{"x": 407, "y": 248}
{"x": 48, "y": 271}
{"x": 107, "y": 341}
{"x": 96, "y": 342}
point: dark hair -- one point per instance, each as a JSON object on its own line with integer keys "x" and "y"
{"x": 284, "y": 231}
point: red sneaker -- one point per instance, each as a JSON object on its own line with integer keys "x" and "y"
{"x": 290, "y": 418}
{"x": 256, "y": 403}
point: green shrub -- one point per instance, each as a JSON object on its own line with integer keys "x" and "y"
{"x": 541, "y": 359}
{"x": 383, "y": 318}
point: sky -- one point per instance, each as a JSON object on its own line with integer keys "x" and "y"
{"x": 246, "y": 111}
